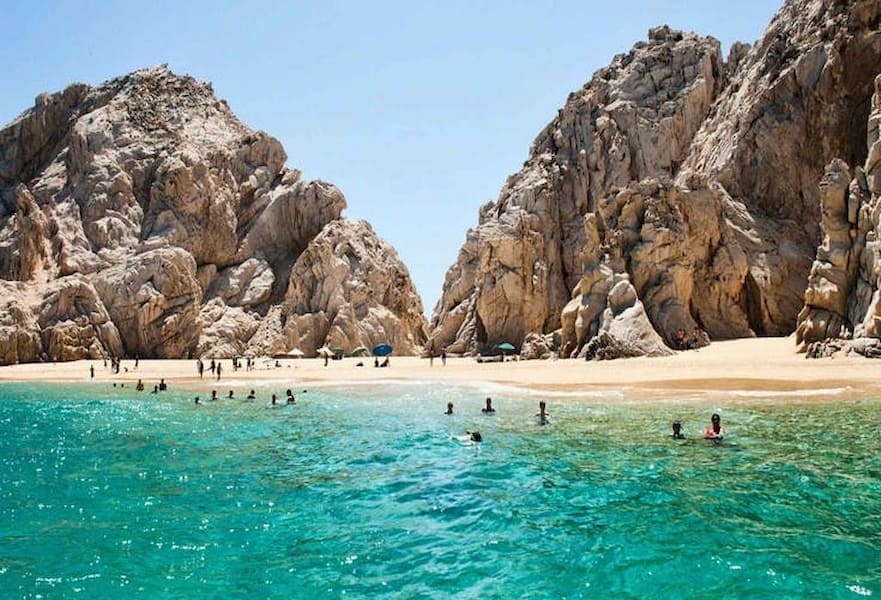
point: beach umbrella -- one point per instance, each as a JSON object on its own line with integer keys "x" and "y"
{"x": 382, "y": 350}
{"x": 505, "y": 347}
{"x": 296, "y": 353}
{"x": 358, "y": 351}
{"x": 337, "y": 351}
{"x": 324, "y": 351}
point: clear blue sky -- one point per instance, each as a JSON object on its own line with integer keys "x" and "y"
{"x": 418, "y": 111}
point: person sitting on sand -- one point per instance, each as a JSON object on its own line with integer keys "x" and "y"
{"x": 140, "y": 386}
{"x": 384, "y": 363}
{"x": 542, "y": 413}
{"x": 488, "y": 409}
{"x": 715, "y": 431}
{"x": 251, "y": 396}
{"x": 677, "y": 431}
{"x": 449, "y": 408}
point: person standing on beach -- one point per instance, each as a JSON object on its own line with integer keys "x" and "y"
{"x": 92, "y": 371}
{"x": 218, "y": 371}
{"x": 444, "y": 356}
{"x": 200, "y": 367}
{"x": 212, "y": 367}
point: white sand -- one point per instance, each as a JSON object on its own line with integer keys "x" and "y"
{"x": 749, "y": 366}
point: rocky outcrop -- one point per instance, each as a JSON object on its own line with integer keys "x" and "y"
{"x": 179, "y": 224}
{"x": 694, "y": 179}
{"x": 347, "y": 289}
{"x": 842, "y": 297}
{"x": 634, "y": 120}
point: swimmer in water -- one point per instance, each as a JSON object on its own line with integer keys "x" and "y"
{"x": 231, "y": 396}
{"x": 475, "y": 436}
{"x": 140, "y": 386}
{"x": 715, "y": 431}
{"x": 542, "y": 413}
{"x": 274, "y": 400}
{"x": 214, "y": 395}
{"x": 197, "y": 400}
{"x": 449, "y": 408}
{"x": 251, "y": 396}
{"x": 488, "y": 409}
{"x": 677, "y": 431}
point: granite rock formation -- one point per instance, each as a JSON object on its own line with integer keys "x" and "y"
{"x": 141, "y": 217}
{"x": 693, "y": 178}
{"x": 842, "y": 303}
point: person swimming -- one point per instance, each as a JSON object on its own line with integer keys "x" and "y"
{"x": 274, "y": 400}
{"x": 542, "y": 413}
{"x": 677, "y": 431}
{"x": 162, "y": 385}
{"x": 231, "y": 395}
{"x": 715, "y": 431}
{"x": 475, "y": 436}
{"x": 290, "y": 398}
{"x": 213, "y": 395}
{"x": 140, "y": 386}
{"x": 251, "y": 396}
{"x": 488, "y": 409}
{"x": 197, "y": 400}
{"x": 449, "y": 408}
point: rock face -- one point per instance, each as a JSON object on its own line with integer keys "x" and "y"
{"x": 141, "y": 217}
{"x": 843, "y": 297}
{"x": 690, "y": 179}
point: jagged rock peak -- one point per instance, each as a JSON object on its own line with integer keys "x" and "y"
{"x": 634, "y": 120}
{"x": 179, "y": 224}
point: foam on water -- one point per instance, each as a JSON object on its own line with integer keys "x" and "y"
{"x": 366, "y": 491}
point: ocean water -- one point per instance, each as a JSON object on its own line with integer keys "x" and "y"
{"x": 364, "y": 492}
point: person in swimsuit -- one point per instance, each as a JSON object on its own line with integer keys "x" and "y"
{"x": 449, "y": 408}
{"x": 542, "y": 413}
{"x": 677, "y": 431}
{"x": 488, "y": 409}
{"x": 715, "y": 431}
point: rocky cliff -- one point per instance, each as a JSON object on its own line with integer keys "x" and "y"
{"x": 675, "y": 190}
{"x": 141, "y": 217}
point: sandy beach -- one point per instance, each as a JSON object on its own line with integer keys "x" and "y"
{"x": 746, "y": 365}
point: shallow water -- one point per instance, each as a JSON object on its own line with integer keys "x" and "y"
{"x": 362, "y": 492}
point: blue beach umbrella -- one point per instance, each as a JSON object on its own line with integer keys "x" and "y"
{"x": 382, "y": 350}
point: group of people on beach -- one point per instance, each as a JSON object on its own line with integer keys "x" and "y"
{"x": 697, "y": 339}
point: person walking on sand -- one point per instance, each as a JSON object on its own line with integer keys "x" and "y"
{"x": 92, "y": 371}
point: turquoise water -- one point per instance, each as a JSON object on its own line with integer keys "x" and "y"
{"x": 361, "y": 492}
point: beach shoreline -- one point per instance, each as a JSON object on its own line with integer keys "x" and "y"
{"x": 757, "y": 365}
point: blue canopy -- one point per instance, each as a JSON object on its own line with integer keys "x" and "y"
{"x": 382, "y": 350}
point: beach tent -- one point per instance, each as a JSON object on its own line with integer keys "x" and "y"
{"x": 358, "y": 351}
{"x": 382, "y": 350}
